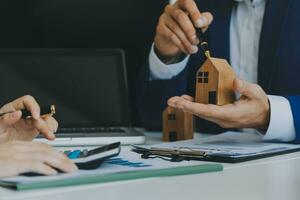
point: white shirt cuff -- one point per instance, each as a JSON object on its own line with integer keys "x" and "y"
{"x": 281, "y": 127}
{"x": 159, "y": 70}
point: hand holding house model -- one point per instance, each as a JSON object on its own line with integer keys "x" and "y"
{"x": 214, "y": 85}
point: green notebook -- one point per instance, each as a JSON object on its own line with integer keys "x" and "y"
{"x": 104, "y": 178}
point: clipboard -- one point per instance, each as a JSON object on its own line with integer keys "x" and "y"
{"x": 189, "y": 153}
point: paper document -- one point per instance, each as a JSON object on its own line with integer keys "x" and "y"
{"x": 127, "y": 166}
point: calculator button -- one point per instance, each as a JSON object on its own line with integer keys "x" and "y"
{"x": 74, "y": 154}
{"x": 85, "y": 153}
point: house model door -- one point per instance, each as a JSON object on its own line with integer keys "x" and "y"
{"x": 212, "y": 97}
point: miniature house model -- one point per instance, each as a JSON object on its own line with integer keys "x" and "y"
{"x": 214, "y": 82}
{"x": 177, "y": 125}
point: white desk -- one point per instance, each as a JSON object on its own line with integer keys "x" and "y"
{"x": 271, "y": 178}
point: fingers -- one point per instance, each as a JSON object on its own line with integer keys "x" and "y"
{"x": 46, "y": 126}
{"x": 181, "y": 20}
{"x": 249, "y": 90}
{"x": 52, "y": 123}
{"x": 44, "y": 129}
{"x": 205, "y": 20}
{"x": 226, "y": 116}
{"x": 181, "y": 23}
{"x": 11, "y": 118}
{"x": 176, "y": 29}
{"x": 187, "y": 38}
{"x": 37, "y": 167}
{"x": 187, "y": 97}
{"x": 200, "y": 20}
{"x": 46, "y": 154}
{"x": 20, "y": 157}
{"x": 201, "y": 110}
{"x": 165, "y": 32}
{"x": 191, "y": 8}
{"x": 29, "y": 103}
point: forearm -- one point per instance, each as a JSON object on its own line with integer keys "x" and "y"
{"x": 164, "y": 68}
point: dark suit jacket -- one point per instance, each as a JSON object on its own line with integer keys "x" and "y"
{"x": 278, "y": 68}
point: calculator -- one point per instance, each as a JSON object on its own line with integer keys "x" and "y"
{"x": 92, "y": 159}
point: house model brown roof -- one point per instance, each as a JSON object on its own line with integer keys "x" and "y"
{"x": 214, "y": 82}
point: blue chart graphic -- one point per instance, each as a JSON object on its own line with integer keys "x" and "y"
{"x": 120, "y": 161}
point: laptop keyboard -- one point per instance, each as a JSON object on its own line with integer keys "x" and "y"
{"x": 103, "y": 133}
{"x": 91, "y": 130}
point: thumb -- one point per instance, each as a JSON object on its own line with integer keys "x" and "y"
{"x": 245, "y": 88}
{"x": 11, "y": 118}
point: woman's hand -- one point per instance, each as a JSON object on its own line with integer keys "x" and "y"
{"x": 13, "y": 127}
{"x": 19, "y": 157}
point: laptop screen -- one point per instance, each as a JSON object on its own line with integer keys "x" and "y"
{"x": 88, "y": 87}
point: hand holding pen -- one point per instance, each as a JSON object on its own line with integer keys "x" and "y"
{"x": 176, "y": 31}
{"x": 23, "y": 119}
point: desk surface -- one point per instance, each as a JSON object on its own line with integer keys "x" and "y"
{"x": 271, "y": 178}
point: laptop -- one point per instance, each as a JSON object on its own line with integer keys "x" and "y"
{"x": 87, "y": 86}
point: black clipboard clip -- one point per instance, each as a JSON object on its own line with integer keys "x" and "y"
{"x": 173, "y": 155}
